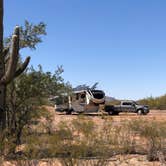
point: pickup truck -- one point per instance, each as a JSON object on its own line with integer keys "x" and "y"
{"x": 127, "y": 106}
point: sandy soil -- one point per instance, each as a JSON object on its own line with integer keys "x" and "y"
{"x": 121, "y": 160}
{"x": 154, "y": 115}
{"x": 125, "y": 160}
{"x": 133, "y": 160}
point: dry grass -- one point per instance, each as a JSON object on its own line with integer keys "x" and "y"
{"x": 78, "y": 140}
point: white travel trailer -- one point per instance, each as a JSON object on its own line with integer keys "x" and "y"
{"x": 84, "y": 101}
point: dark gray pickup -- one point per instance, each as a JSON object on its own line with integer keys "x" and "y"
{"x": 127, "y": 106}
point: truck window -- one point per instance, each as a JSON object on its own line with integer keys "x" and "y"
{"x": 126, "y": 103}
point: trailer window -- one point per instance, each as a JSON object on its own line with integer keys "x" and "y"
{"x": 83, "y": 96}
{"x": 77, "y": 96}
{"x": 98, "y": 94}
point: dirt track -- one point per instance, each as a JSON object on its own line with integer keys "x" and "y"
{"x": 154, "y": 115}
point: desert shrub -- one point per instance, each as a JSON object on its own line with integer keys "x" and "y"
{"x": 80, "y": 138}
{"x": 126, "y": 140}
{"x": 71, "y": 142}
{"x": 155, "y": 136}
{"x": 84, "y": 126}
{"x": 86, "y": 144}
{"x": 155, "y": 102}
{"x": 82, "y": 141}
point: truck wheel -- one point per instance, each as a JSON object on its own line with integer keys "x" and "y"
{"x": 145, "y": 112}
{"x": 116, "y": 113}
{"x": 140, "y": 112}
{"x": 113, "y": 113}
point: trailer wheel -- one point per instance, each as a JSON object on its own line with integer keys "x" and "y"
{"x": 68, "y": 112}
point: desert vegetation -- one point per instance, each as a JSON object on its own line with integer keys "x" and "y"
{"x": 82, "y": 141}
{"x": 28, "y": 134}
{"x": 155, "y": 102}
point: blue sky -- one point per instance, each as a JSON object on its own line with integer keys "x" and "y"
{"x": 119, "y": 43}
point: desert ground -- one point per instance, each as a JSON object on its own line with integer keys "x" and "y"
{"x": 125, "y": 160}
{"x": 154, "y": 115}
{"x": 117, "y": 160}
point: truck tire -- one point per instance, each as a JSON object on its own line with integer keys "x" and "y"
{"x": 113, "y": 113}
{"x": 140, "y": 112}
{"x": 110, "y": 110}
{"x": 116, "y": 113}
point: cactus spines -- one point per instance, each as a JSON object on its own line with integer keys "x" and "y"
{"x": 22, "y": 67}
{"x": 5, "y": 52}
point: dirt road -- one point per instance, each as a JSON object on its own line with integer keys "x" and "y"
{"x": 154, "y": 115}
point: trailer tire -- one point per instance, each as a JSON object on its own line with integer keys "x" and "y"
{"x": 68, "y": 112}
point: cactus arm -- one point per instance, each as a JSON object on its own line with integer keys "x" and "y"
{"x": 6, "y": 60}
{"x": 10, "y": 71}
{"x": 22, "y": 67}
{"x": 12, "y": 60}
{"x": 5, "y": 52}
{"x": 6, "y": 55}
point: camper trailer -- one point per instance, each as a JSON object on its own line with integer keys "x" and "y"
{"x": 84, "y": 101}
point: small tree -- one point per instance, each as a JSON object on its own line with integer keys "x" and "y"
{"x": 27, "y": 93}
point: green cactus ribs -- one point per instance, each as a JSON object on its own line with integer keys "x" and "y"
{"x": 12, "y": 71}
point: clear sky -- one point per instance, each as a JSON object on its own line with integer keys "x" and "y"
{"x": 119, "y": 43}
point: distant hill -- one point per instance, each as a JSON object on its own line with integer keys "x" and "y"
{"x": 112, "y": 101}
{"x": 109, "y": 99}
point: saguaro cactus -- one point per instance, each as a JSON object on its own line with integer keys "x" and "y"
{"x": 11, "y": 71}
{"x": 9, "y": 68}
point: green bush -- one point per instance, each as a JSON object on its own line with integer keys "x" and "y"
{"x": 155, "y": 102}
